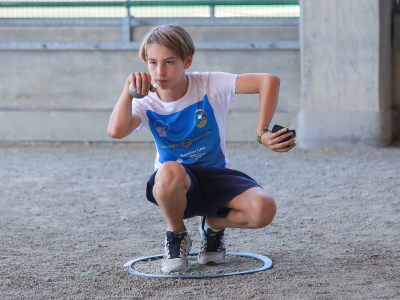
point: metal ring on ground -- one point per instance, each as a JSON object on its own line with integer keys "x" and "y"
{"x": 267, "y": 265}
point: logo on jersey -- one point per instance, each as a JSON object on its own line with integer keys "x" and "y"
{"x": 197, "y": 155}
{"x": 200, "y": 118}
{"x": 161, "y": 127}
{"x": 186, "y": 143}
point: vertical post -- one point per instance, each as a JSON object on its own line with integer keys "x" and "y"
{"x": 212, "y": 11}
{"x": 126, "y": 25}
{"x": 345, "y": 73}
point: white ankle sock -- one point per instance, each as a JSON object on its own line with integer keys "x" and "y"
{"x": 206, "y": 226}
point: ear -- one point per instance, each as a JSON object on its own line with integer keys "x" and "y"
{"x": 188, "y": 62}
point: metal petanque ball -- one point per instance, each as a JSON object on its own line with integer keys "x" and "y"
{"x": 133, "y": 93}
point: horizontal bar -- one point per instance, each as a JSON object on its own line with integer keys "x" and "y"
{"x": 60, "y": 4}
{"x": 288, "y": 21}
{"x": 146, "y": 3}
{"x": 62, "y": 46}
{"x": 256, "y": 21}
{"x": 39, "y": 22}
{"x": 248, "y": 45}
{"x": 112, "y": 46}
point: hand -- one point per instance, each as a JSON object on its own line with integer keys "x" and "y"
{"x": 141, "y": 83}
{"x": 271, "y": 140}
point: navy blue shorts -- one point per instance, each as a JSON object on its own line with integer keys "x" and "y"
{"x": 210, "y": 188}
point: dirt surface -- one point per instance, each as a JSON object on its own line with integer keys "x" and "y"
{"x": 71, "y": 215}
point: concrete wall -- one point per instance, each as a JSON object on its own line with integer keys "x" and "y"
{"x": 396, "y": 94}
{"x": 346, "y": 73}
{"x": 60, "y": 34}
{"x": 69, "y": 95}
{"x": 396, "y": 76}
{"x": 349, "y": 77}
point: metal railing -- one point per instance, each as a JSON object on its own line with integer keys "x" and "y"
{"x": 148, "y": 9}
{"x": 129, "y": 17}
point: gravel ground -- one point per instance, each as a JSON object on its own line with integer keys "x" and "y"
{"x": 73, "y": 214}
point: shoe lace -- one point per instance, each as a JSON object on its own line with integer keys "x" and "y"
{"x": 214, "y": 241}
{"x": 174, "y": 246}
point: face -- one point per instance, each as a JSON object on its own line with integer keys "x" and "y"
{"x": 166, "y": 68}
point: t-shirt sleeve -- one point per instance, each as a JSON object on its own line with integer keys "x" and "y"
{"x": 136, "y": 110}
{"x": 223, "y": 85}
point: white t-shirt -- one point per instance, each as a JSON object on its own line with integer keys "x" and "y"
{"x": 190, "y": 130}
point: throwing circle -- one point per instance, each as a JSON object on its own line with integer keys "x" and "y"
{"x": 267, "y": 265}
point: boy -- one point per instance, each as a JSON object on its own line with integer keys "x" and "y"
{"x": 186, "y": 114}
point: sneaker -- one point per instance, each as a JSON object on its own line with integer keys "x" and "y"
{"x": 212, "y": 245}
{"x": 177, "y": 247}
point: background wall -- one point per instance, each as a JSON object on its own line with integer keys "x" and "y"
{"x": 349, "y": 81}
{"x": 396, "y": 76}
{"x": 346, "y": 48}
{"x": 396, "y": 94}
{"x": 69, "y": 95}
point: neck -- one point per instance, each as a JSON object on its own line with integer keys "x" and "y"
{"x": 176, "y": 93}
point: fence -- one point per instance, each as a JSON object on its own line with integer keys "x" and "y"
{"x": 149, "y": 9}
{"x": 146, "y": 13}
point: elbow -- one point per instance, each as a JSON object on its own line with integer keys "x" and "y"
{"x": 112, "y": 132}
{"x": 272, "y": 79}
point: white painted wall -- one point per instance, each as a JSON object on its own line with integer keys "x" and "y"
{"x": 69, "y": 95}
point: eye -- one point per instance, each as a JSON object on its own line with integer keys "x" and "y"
{"x": 170, "y": 62}
{"x": 152, "y": 63}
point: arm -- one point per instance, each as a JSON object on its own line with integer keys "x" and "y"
{"x": 122, "y": 121}
{"x": 267, "y": 86}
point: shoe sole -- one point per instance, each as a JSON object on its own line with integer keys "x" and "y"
{"x": 176, "y": 271}
{"x": 211, "y": 262}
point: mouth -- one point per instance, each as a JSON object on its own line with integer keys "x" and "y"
{"x": 161, "y": 81}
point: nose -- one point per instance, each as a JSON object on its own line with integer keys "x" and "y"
{"x": 161, "y": 70}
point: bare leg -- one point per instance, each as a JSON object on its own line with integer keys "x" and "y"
{"x": 255, "y": 208}
{"x": 170, "y": 188}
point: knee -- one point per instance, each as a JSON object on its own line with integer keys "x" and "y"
{"x": 170, "y": 177}
{"x": 263, "y": 211}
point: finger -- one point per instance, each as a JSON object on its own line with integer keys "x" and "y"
{"x": 152, "y": 88}
{"x": 131, "y": 80}
{"x": 138, "y": 83}
{"x": 144, "y": 90}
{"x": 286, "y": 149}
{"x": 279, "y": 132}
{"x": 287, "y": 143}
{"x": 284, "y": 145}
{"x": 149, "y": 85}
{"x": 292, "y": 146}
{"x": 284, "y": 136}
{"x": 275, "y": 146}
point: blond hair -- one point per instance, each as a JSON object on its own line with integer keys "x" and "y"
{"x": 171, "y": 36}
